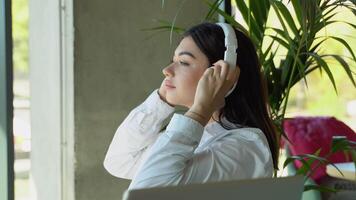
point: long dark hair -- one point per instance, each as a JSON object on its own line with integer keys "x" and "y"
{"x": 247, "y": 105}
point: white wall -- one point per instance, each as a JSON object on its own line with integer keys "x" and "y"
{"x": 51, "y": 85}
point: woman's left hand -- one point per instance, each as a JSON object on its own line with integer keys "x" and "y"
{"x": 213, "y": 86}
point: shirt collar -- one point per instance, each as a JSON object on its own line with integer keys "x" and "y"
{"x": 214, "y": 128}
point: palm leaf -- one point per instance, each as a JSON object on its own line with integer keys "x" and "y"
{"x": 280, "y": 7}
{"x": 228, "y": 18}
{"x": 213, "y": 8}
{"x": 326, "y": 68}
{"x": 342, "y": 41}
{"x": 344, "y": 65}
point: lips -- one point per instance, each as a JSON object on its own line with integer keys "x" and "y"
{"x": 169, "y": 84}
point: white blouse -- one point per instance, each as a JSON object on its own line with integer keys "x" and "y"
{"x": 186, "y": 152}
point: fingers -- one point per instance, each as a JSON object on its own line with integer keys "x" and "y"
{"x": 217, "y": 70}
{"x": 228, "y": 74}
{"x": 222, "y": 69}
{"x": 209, "y": 72}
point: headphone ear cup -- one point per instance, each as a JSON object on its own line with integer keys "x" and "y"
{"x": 231, "y": 90}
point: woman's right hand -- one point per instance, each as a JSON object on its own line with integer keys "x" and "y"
{"x": 162, "y": 93}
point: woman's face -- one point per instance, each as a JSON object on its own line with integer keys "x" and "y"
{"x": 188, "y": 65}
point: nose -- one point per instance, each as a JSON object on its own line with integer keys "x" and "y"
{"x": 168, "y": 70}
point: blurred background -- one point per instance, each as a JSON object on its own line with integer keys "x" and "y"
{"x": 21, "y": 122}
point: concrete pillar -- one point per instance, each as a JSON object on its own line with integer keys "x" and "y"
{"x": 116, "y": 66}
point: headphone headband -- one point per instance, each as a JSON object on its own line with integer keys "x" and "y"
{"x": 230, "y": 44}
{"x": 231, "y": 47}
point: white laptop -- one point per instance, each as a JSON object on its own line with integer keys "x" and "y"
{"x": 290, "y": 188}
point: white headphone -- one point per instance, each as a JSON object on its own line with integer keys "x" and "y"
{"x": 231, "y": 47}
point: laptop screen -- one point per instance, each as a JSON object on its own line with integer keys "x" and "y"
{"x": 290, "y": 188}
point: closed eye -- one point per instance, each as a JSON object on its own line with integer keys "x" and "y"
{"x": 183, "y": 63}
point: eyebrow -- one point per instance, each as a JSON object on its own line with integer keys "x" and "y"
{"x": 187, "y": 53}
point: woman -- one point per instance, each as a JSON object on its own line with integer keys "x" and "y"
{"x": 218, "y": 138}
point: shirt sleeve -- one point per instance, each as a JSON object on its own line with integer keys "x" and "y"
{"x": 172, "y": 161}
{"x": 136, "y": 133}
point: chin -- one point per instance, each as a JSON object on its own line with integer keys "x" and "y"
{"x": 171, "y": 100}
{"x": 174, "y": 99}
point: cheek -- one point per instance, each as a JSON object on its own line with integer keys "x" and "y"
{"x": 186, "y": 87}
{"x": 190, "y": 81}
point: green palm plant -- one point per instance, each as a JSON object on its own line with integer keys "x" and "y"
{"x": 301, "y": 41}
